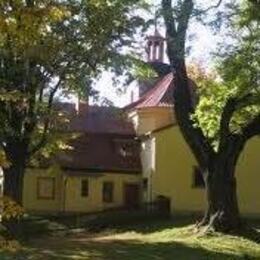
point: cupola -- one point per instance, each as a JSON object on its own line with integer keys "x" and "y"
{"x": 155, "y": 47}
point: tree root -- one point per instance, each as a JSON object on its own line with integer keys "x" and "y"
{"x": 214, "y": 225}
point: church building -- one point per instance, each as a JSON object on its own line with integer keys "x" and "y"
{"x": 169, "y": 168}
{"x": 126, "y": 157}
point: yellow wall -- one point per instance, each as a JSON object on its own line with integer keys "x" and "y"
{"x": 148, "y": 165}
{"x": 30, "y": 200}
{"x": 149, "y": 119}
{"x": 76, "y": 203}
{"x": 68, "y": 191}
{"x": 248, "y": 177}
{"x": 173, "y": 174}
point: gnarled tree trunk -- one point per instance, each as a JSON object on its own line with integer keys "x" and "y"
{"x": 222, "y": 212}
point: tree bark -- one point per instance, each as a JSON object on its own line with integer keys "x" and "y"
{"x": 222, "y": 212}
{"x": 13, "y": 176}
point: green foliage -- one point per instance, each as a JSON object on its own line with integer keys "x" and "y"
{"x": 208, "y": 112}
{"x": 142, "y": 70}
{"x": 51, "y": 47}
{"x": 238, "y": 79}
{"x": 10, "y": 209}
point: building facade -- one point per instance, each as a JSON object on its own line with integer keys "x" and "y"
{"x": 169, "y": 168}
{"x": 119, "y": 162}
{"x": 100, "y": 172}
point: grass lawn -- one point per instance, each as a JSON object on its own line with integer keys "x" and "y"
{"x": 158, "y": 240}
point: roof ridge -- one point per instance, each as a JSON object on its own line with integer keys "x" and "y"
{"x": 148, "y": 95}
{"x": 157, "y": 84}
{"x": 163, "y": 86}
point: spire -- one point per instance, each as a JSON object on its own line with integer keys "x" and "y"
{"x": 155, "y": 45}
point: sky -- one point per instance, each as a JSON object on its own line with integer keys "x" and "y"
{"x": 203, "y": 43}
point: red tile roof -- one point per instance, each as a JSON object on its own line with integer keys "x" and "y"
{"x": 158, "y": 96}
{"x": 102, "y": 153}
{"x": 101, "y": 120}
{"x": 104, "y": 134}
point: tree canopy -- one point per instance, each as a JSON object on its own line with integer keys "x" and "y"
{"x": 238, "y": 79}
{"x": 49, "y": 49}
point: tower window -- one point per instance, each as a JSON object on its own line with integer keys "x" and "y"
{"x": 157, "y": 50}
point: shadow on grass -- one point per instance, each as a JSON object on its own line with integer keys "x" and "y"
{"x": 154, "y": 225}
{"x": 93, "y": 246}
{"x": 249, "y": 232}
{"x": 39, "y": 226}
{"x": 33, "y": 226}
{"x": 123, "y": 250}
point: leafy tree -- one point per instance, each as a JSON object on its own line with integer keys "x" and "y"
{"x": 228, "y": 113}
{"x": 48, "y": 48}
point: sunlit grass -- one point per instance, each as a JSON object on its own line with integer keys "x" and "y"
{"x": 156, "y": 240}
{"x": 232, "y": 246}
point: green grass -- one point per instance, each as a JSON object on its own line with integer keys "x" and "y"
{"x": 155, "y": 240}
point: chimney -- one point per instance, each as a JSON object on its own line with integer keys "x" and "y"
{"x": 82, "y": 107}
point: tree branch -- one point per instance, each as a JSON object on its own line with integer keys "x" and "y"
{"x": 183, "y": 105}
{"x": 46, "y": 78}
{"x": 229, "y": 109}
{"x": 168, "y": 16}
{"x": 54, "y": 89}
{"x": 252, "y": 129}
{"x": 200, "y": 12}
{"x": 185, "y": 13}
{"x": 170, "y": 23}
{"x": 225, "y": 119}
{"x": 47, "y": 120}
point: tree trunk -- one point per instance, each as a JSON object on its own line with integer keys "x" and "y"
{"x": 13, "y": 176}
{"x": 13, "y": 183}
{"x": 222, "y": 212}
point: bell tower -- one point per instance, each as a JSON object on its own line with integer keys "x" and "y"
{"x": 155, "y": 47}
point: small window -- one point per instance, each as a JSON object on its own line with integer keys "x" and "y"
{"x": 126, "y": 148}
{"x": 108, "y": 192}
{"x": 46, "y": 188}
{"x": 84, "y": 188}
{"x": 126, "y": 151}
{"x": 198, "y": 181}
